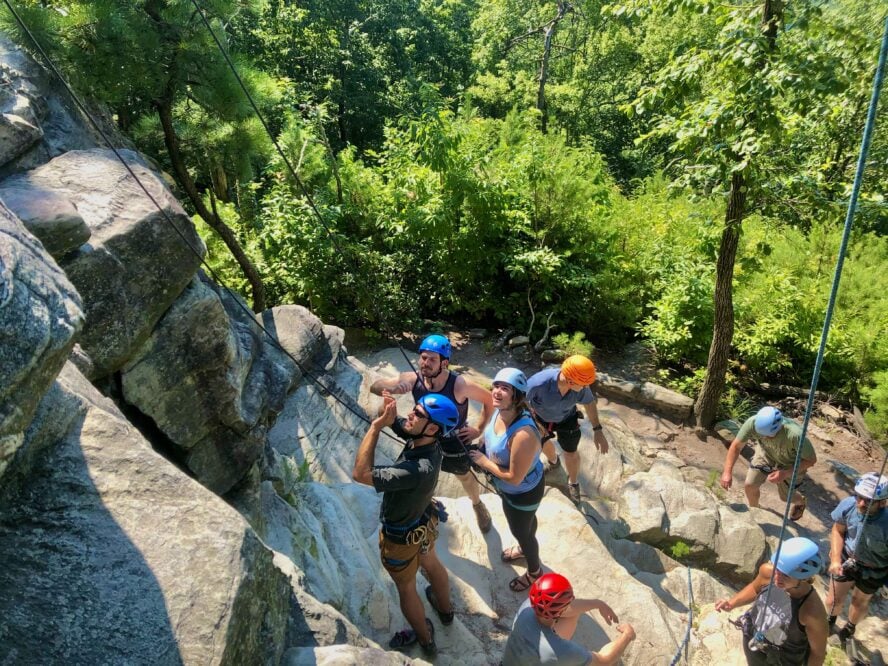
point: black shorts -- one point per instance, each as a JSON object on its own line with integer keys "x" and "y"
{"x": 866, "y": 580}
{"x": 456, "y": 458}
{"x": 567, "y": 432}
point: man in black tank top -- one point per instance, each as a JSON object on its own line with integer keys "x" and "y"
{"x": 435, "y": 377}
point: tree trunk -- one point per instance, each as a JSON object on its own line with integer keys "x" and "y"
{"x": 171, "y": 139}
{"x": 542, "y": 105}
{"x": 706, "y": 407}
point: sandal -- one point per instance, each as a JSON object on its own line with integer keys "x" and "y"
{"x": 446, "y": 618}
{"x": 797, "y": 511}
{"x": 512, "y": 554}
{"x": 521, "y": 583}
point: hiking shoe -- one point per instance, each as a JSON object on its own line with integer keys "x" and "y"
{"x": 446, "y": 618}
{"x": 430, "y": 649}
{"x": 483, "y": 517}
{"x": 844, "y": 633}
{"x": 552, "y": 466}
{"x": 573, "y": 490}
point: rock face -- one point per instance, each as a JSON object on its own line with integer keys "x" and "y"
{"x": 113, "y": 555}
{"x": 39, "y": 316}
{"x": 660, "y": 508}
{"x": 135, "y": 263}
{"x": 39, "y": 120}
{"x": 211, "y": 381}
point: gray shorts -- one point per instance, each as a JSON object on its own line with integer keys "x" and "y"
{"x": 760, "y": 467}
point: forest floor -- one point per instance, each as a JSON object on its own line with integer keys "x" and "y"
{"x": 837, "y": 445}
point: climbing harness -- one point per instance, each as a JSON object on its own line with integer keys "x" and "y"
{"x": 757, "y": 641}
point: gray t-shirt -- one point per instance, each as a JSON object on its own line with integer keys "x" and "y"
{"x": 873, "y": 552}
{"x": 531, "y": 644}
{"x": 546, "y": 400}
{"x": 780, "y": 450}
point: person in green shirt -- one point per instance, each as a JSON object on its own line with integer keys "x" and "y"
{"x": 774, "y": 457}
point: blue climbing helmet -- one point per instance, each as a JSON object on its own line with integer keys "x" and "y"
{"x": 872, "y": 486}
{"x": 436, "y": 343}
{"x": 513, "y": 377}
{"x": 799, "y": 558}
{"x": 441, "y": 410}
{"x": 768, "y": 421}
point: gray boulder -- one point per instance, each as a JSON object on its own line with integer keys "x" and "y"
{"x": 661, "y": 508}
{"x": 47, "y": 214}
{"x": 134, "y": 265}
{"x": 112, "y": 555}
{"x": 44, "y": 121}
{"x": 211, "y": 381}
{"x": 39, "y": 316}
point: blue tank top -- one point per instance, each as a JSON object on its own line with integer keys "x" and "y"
{"x": 462, "y": 408}
{"x": 497, "y": 448}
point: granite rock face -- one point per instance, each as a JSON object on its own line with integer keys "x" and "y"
{"x": 40, "y": 315}
{"x": 112, "y": 555}
{"x": 135, "y": 262}
{"x": 212, "y": 381}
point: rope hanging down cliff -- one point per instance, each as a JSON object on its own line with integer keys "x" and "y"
{"x": 758, "y": 640}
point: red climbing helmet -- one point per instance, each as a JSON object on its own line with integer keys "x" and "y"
{"x": 550, "y": 595}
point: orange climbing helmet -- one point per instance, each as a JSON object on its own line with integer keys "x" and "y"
{"x": 550, "y": 595}
{"x": 579, "y": 370}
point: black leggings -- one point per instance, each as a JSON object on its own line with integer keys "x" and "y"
{"x": 523, "y": 524}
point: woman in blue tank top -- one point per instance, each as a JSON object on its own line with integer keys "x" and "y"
{"x": 512, "y": 444}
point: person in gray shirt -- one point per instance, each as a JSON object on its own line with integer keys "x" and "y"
{"x": 546, "y": 622}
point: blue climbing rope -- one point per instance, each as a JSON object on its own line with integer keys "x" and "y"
{"x": 758, "y": 638}
{"x": 685, "y": 644}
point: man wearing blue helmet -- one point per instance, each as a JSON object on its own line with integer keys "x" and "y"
{"x": 434, "y": 376}
{"x": 775, "y": 454}
{"x": 858, "y": 554}
{"x": 787, "y": 624}
{"x": 408, "y": 513}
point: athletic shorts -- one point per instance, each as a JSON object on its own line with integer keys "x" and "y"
{"x": 567, "y": 432}
{"x": 758, "y": 474}
{"x": 865, "y": 579}
{"x": 456, "y": 459}
{"x": 401, "y": 560}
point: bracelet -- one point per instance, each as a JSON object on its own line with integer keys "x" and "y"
{"x": 596, "y": 428}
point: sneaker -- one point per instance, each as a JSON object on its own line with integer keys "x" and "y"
{"x": 845, "y": 633}
{"x": 573, "y": 489}
{"x": 483, "y": 517}
{"x": 552, "y": 466}
{"x": 430, "y": 649}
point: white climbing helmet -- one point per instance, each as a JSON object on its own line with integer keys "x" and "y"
{"x": 768, "y": 421}
{"x": 799, "y": 558}
{"x": 872, "y": 486}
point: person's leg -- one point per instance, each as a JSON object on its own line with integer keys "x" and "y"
{"x": 471, "y": 486}
{"x": 413, "y": 609}
{"x": 549, "y": 451}
{"x": 522, "y": 525}
{"x": 753, "y": 485}
{"x": 859, "y": 606}
{"x": 572, "y": 465}
{"x": 438, "y": 579}
{"x": 835, "y": 596}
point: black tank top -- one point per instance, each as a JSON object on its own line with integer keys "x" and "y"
{"x": 781, "y": 626}
{"x": 419, "y": 390}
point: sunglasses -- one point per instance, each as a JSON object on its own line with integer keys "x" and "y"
{"x": 420, "y": 414}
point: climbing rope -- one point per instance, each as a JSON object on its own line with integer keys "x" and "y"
{"x": 685, "y": 644}
{"x": 758, "y": 640}
{"x": 345, "y": 401}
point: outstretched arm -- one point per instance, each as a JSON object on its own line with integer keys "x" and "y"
{"x": 598, "y": 436}
{"x": 730, "y": 460}
{"x": 611, "y": 652}
{"x": 467, "y": 389}
{"x": 748, "y": 593}
{"x": 395, "y": 385}
{"x": 363, "y": 469}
